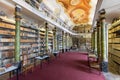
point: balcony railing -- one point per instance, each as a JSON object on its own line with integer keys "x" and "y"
{"x": 42, "y": 12}
{"x": 46, "y": 12}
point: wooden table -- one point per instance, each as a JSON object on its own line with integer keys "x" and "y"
{"x": 55, "y": 53}
{"x": 10, "y": 69}
{"x": 41, "y": 58}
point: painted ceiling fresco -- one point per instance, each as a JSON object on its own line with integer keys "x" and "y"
{"x": 77, "y": 10}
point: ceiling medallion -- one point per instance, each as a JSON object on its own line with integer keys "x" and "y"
{"x": 74, "y": 2}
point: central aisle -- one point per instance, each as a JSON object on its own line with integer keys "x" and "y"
{"x": 69, "y": 66}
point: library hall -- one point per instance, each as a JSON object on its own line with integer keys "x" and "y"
{"x": 59, "y": 39}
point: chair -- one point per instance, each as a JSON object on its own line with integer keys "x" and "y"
{"x": 26, "y": 65}
{"x": 95, "y": 65}
{"x": 92, "y": 57}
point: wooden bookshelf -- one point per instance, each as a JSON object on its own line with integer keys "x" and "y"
{"x": 50, "y": 41}
{"x": 29, "y": 43}
{"x": 7, "y": 33}
{"x": 114, "y": 48}
{"x": 59, "y": 38}
{"x": 42, "y": 41}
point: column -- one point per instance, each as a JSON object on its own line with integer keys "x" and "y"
{"x": 46, "y": 37}
{"x": 1, "y": 61}
{"x": 55, "y": 40}
{"x": 58, "y": 42}
{"x": 95, "y": 40}
{"x": 17, "y": 33}
{"x": 106, "y": 38}
{"x": 66, "y": 41}
{"x": 98, "y": 38}
{"x": 103, "y": 41}
{"x": 38, "y": 33}
{"x": 68, "y": 44}
{"x": 62, "y": 41}
{"x": 70, "y": 41}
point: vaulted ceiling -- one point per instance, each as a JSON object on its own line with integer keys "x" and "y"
{"x": 78, "y": 10}
{"x": 84, "y": 11}
{"x": 73, "y": 12}
{"x": 112, "y": 8}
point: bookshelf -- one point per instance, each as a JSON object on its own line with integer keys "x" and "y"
{"x": 29, "y": 41}
{"x": 42, "y": 41}
{"x": 50, "y": 41}
{"x": 114, "y": 48}
{"x": 59, "y": 43}
{"x": 29, "y": 44}
{"x": 7, "y": 33}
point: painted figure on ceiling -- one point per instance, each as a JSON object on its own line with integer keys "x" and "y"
{"x": 78, "y": 10}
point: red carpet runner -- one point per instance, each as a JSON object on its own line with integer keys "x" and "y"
{"x": 69, "y": 66}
